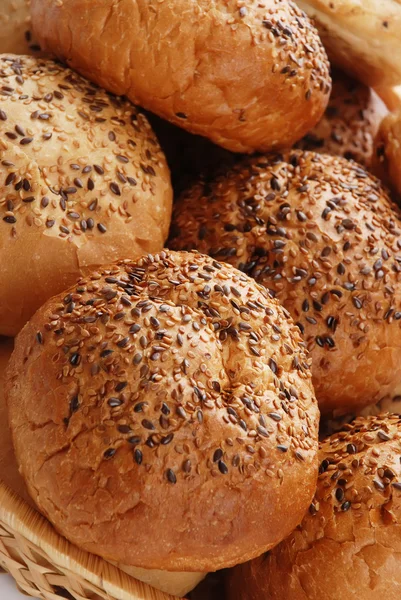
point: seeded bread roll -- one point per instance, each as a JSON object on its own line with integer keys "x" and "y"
{"x": 82, "y": 182}
{"x": 388, "y": 151}
{"x": 361, "y": 36}
{"x": 249, "y": 75}
{"x": 15, "y": 36}
{"x": 324, "y": 237}
{"x": 350, "y": 123}
{"x": 163, "y": 413}
{"x": 349, "y": 545}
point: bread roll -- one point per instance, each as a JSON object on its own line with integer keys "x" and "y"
{"x": 15, "y": 35}
{"x": 249, "y": 75}
{"x": 162, "y": 413}
{"x": 349, "y": 545}
{"x": 388, "y": 151}
{"x": 323, "y": 236}
{"x": 82, "y": 182}
{"x": 361, "y": 37}
{"x": 350, "y": 123}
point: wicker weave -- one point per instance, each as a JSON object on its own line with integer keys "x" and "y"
{"x": 45, "y": 565}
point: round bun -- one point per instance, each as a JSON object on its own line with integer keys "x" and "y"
{"x": 388, "y": 151}
{"x": 350, "y": 123}
{"x": 362, "y": 38}
{"x": 169, "y": 395}
{"x": 349, "y": 545}
{"x": 15, "y": 36}
{"x": 248, "y": 75}
{"x": 323, "y": 236}
{"x": 83, "y": 183}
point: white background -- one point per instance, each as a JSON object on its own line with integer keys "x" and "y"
{"x": 8, "y": 589}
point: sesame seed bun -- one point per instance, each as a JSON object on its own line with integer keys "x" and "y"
{"x": 15, "y": 25}
{"x": 362, "y": 38}
{"x": 388, "y": 151}
{"x": 323, "y": 236}
{"x": 83, "y": 182}
{"x": 163, "y": 414}
{"x": 348, "y": 545}
{"x": 350, "y": 123}
{"x": 246, "y": 74}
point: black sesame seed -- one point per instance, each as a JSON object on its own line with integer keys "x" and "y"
{"x": 121, "y": 385}
{"x": 339, "y": 494}
{"x": 148, "y": 424}
{"x": 134, "y": 440}
{"x": 167, "y": 439}
{"x": 114, "y": 402}
{"x": 109, "y": 453}
{"x": 138, "y": 456}
{"x": 346, "y": 506}
{"x": 171, "y": 476}
{"x": 124, "y": 428}
{"x": 223, "y": 467}
{"x": 115, "y": 188}
{"x": 75, "y": 359}
{"x": 218, "y": 454}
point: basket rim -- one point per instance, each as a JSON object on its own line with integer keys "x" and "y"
{"x": 16, "y": 514}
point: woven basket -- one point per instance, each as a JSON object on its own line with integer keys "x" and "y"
{"x": 46, "y": 565}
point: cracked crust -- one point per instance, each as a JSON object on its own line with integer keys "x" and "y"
{"x": 362, "y": 37}
{"x": 163, "y": 413}
{"x": 248, "y": 75}
{"x": 349, "y": 544}
{"x": 323, "y": 236}
{"x": 83, "y": 182}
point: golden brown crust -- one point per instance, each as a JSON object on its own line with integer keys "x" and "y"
{"x": 163, "y": 414}
{"x": 82, "y": 182}
{"x": 388, "y": 151}
{"x": 349, "y": 544}
{"x": 248, "y": 75}
{"x": 362, "y": 37}
{"x": 350, "y": 123}
{"x": 324, "y": 237}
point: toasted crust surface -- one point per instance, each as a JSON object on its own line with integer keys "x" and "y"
{"x": 83, "y": 182}
{"x": 163, "y": 413}
{"x": 248, "y": 75}
{"x": 348, "y": 544}
{"x": 361, "y": 37}
{"x": 350, "y": 123}
{"x": 324, "y": 237}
